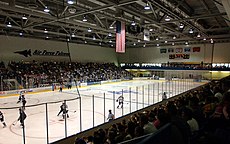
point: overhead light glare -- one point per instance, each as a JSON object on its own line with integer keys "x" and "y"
{"x": 167, "y": 18}
{"x": 84, "y": 19}
{"x": 204, "y": 39}
{"x": 147, "y": 7}
{"x": 133, "y": 23}
{"x": 109, "y": 34}
{"x": 111, "y": 27}
{"x": 46, "y": 9}
{"x": 198, "y": 35}
{"x": 190, "y": 31}
{"x": 158, "y": 45}
{"x": 211, "y": 40}
{"x": 173, "y": 43}
{"x": 70, "y": 2}
{"x": 157, "y": 38}
{"x": 45, "y": 31}
{"x": 73, "y": 35}
{"x": 181, "y": 26}
{"x": 9, "y": 24}
{"x": 174, "y": 37}
{"x": 89, "y": 30}
{"x": 24, "y": 17}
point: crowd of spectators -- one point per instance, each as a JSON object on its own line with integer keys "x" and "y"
{"x": 61, "y": 72}
{"x": 197, "y": 117}
{"x": 201, "y": 66}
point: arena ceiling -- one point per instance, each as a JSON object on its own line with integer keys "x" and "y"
{"x": 203, "y": 21}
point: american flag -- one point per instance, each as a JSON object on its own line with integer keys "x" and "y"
{"x": 120, "y": 37}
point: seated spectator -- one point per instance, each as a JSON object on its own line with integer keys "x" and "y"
{"x": 187, "y": 115}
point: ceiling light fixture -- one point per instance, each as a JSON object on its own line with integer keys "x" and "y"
{"x": 111, "y": 27}
{"x": 147, "y": 7}
{"x": 46, "y": 9}
{"x": 167, "y": 18}
{"x": 138, "y": 40}
{"x": 9, "y": 24}
{"x": 24, "y": 17}
{"x": 94, "y": 38}
{"x": 158, "y": 45}
{"x": 72, "y": 35}
{"x": 186, "y": 43}
{"x": 181, "y": 26}
{"x": 151, "y": 29}
{"x": 110, "y": 41}
{"x": 84, "y": 19}
{"x": 70, "y": 2}
{"x": 20, "y": 33}
{"x": 89, "y": 30}
{"x": 190, "y": 31}
{"x": 109, "y": 34}
{"x": 144, "y": 45}
{"x": 198, "y": 35}
{"x": 45, "y": 31}
{"x": 204, "y": 39}
{"x": 85, "y": 41}
{"x": 173, "y": 43}
{"x": 157, "y": 38}
{"x": 133, "y": 23}
{"x": 166, "y": 41}
{"x": 211, "y": 40}
{"x": 134, "y": 43}
{"x": 174, "y": 37}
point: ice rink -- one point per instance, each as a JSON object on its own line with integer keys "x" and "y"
{"x": 86, "y": 111}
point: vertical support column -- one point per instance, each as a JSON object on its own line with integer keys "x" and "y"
{"x": 65, "y": 121}
{"x": 158, "y": 92}
{"x": 104, "y": 107}
{"x": 153, "y": 92}
{"x": 143, "y": 96}
{"x": 93, "y": 111}
{"x": 122, "y": 109}
{"x": 137, "y": 98}
{"x": 47, "y": 125}
{"x": 130, "y": 104}
{"x": 114, "y": 102}
{"x": 148, "y": 94}
{"x": 1, "y": 80}
{"x": 80, "y": 114}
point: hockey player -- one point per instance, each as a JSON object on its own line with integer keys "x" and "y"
{"x": 164, "y": 96}
{"x": 2, "y": 119}
{"x": 21, "y": 96}
{"x": 22, "y": 116}
{"x": 110, "y": 116}
{"x": 120, "y": 101}
{"x": 63, "y": 110}
{"x": 23, "y": 102}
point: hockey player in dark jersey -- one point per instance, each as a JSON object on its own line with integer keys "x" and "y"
{"x": 21, "y": 96}
{"x": 2, "y": 119}
{"x": 63, "y": 110}
{"x": 120, "y": 101}
{"x": 22, "y": 116}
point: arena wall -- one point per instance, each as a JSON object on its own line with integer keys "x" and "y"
{"x": 26, "y": 49}
{"x": 153, "y": 55}
{"x": 48, "y": 50}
